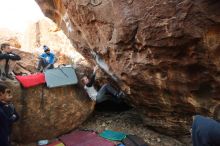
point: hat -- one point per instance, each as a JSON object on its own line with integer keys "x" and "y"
{"x": 45, "y": 48}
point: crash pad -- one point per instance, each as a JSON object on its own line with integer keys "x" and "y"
{"x": 84, "y": 138}
{"x": 113, "y": 135}
{"x": 31, "y": 80}
{"x": 134, "y": 140}
{"x": 60, "y": 76}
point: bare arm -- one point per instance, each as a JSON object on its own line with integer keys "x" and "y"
{"x": 92, "y": 79}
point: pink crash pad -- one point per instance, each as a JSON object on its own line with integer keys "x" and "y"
{"x": 84, "y": 138}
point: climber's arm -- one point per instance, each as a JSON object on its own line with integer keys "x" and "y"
{"x": 92, "y": 79}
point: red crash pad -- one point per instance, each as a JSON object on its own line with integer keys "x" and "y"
{"x": 31, "y": 80}
{"x": 84, "y": 138}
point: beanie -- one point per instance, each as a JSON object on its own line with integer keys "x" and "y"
{"x": 45, "y": 48}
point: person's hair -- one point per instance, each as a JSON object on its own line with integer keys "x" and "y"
{"x": 4, "y": 45}
{"x": 3, "y": 87}
{"x": 83, "y": 77}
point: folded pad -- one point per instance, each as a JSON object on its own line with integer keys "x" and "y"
{"x": 84, "y": 138}
{"x": 31, "y": 80}
{"x": 134, "y": 140}
{"x": 61, "y": 76}
{"x": 56, "y": 143}
{"x": 113, "y": 135}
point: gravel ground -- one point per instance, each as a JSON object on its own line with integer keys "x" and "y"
{"x": 129, "y": 122}
{"x": 124, "y": 119}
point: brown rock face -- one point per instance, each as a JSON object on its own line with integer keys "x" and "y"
{"x": 47, "y": 113}
{"x": 46, "y": 32}
{"x": 7, "y": 36}
{"x": 164, "y": 54}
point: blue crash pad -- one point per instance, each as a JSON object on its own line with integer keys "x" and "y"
{"x": 60, "y": 76}
{"x": 113, "y": 135}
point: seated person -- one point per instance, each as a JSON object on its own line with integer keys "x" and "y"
{"x": 101, "y": 95}
{"x": 46, "y": 60}
{"x": 8, "y": 115}
{"x": 7, "y": 61}
{"x": 205, "y": 131}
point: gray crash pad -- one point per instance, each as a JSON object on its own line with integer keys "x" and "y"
{"x": 60, "y": 76}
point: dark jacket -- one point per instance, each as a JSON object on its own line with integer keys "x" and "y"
{"x": 9, "y": 56}
{"x": 205, "y": 132}
{"x": 8, "y": 116}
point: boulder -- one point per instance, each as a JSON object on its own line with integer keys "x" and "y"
{"x": 47, "y": 113}
{"x": 8, "y": 36}
{"x": 163, "y": 54}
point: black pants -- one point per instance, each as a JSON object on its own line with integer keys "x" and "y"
{"x": 104, "y": 91}
{"x": 7, "y": 66}
{"x": 44, "y": 64}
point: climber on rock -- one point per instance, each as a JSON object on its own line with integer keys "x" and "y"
{"x": 205, "y": 131}
{"x": 7, "y": 61}
{"x": 46, "y": 60}
{"x": 102, "y": 94}
{"x": 8, "y": 115}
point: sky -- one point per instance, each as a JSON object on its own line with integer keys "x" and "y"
{"x": 17, "y": 14}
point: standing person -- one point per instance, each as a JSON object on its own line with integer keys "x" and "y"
{"x": 46, "y": 60}
{"x": 101, "y": 95}
{"x": 7, "y": 61}
{"x": 205, "y": 131}
{"x": 8, "y": 115}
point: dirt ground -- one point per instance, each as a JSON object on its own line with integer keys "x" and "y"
{"x": 129, "y": 122}
{"x": 125, "y": 119}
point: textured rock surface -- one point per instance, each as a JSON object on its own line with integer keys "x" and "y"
{"x": 7, "y": 36}
{"x": 164, "y": 54}
{"x": 46, "y": 113}
{"x": 36, "y": 35}
{"x": 46, "y": 32}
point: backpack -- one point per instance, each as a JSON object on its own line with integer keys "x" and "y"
{"x": 133, "y": 140}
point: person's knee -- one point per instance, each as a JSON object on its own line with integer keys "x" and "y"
{"x": 51, "y": 66}
{"x": 2, "y": 62}
{"x": 41, "y": 59}
{"x": 42, "y": 62}
{"x": 11, "y": 62}
{"x": 98, "y": 99}
{"x": 105, "y": 85}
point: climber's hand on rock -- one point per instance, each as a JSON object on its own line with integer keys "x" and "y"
{"x": 96, "y": 68}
